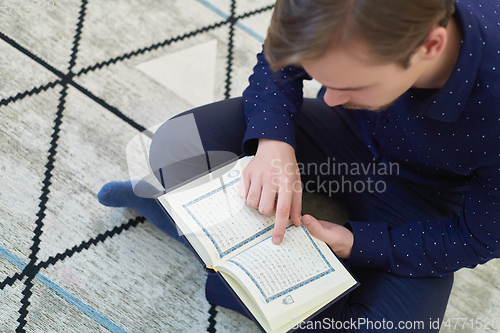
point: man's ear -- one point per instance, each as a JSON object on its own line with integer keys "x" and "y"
{"x": 434, "y": 44}
{"x": 432, "y": 47}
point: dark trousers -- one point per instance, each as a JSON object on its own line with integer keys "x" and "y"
{"x": 334, "y": 134}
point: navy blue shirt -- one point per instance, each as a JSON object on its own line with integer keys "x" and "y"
{"x": 452, "y": 136}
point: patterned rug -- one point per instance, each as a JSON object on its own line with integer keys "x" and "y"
{"x": 79, "y": 80}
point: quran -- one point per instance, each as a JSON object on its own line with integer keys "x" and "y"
{"x": 280, "y": 285}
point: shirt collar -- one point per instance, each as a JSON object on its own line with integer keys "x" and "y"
{"x": 448, "y": 103}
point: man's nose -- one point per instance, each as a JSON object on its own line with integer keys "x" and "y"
{"x": 334, "y": 98}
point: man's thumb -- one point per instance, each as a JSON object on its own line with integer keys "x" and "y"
{"x": 313, "y": 226}
{"x": 309, "y": 221}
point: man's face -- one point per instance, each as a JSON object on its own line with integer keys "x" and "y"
{"x": 353, "y": 80}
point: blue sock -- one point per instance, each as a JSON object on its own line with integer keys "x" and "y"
{"x": 121, "y": 194}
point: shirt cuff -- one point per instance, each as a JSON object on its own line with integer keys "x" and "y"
{"x": 273, "y": 126}
{"x": 371, "y": 245}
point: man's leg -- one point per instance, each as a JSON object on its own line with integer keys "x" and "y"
{"x": 384, "y": 302}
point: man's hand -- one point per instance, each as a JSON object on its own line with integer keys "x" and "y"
{"x": 339, "y": 238}
{"x": 274, "y": 173}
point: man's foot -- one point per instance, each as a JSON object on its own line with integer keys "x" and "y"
{"x": 121, "y": 194}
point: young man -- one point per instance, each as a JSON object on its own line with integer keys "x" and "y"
{"x": 407, "y": 83}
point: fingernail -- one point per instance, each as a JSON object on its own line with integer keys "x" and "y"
{"x": 276, "y": 240}
{"x": 306, "y": 220}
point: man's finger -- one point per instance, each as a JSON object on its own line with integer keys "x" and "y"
{"x": 296, "y": 208}
{"x": 267, "y": 202}
{"x": 282, "y": 213}
{"x": 253, "y": 197}
{"x": 244, "y": 186}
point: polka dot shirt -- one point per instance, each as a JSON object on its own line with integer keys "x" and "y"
{"x": 449, "y": 138}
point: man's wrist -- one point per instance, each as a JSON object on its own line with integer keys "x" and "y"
{"x": 343, "y": 247}
{"x": 345, "y": 253}
{"x": 270, "y": 145}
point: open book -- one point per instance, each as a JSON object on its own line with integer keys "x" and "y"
{"x": 280, "y": 285}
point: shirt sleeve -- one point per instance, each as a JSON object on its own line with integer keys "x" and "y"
{"x": 272, "y": 102}
{"x": 437, "y": 247}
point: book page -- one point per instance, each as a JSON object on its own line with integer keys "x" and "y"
{"x": 288, "y": 281}
{"x": 215, "y": 220}
{"x": 226, "y": 219}
{"x": 278, "y": 270}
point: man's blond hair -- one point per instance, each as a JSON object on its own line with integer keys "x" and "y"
{"x": 393, "y": 30}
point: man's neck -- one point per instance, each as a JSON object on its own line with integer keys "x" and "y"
{"x": 439, "y": 70}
